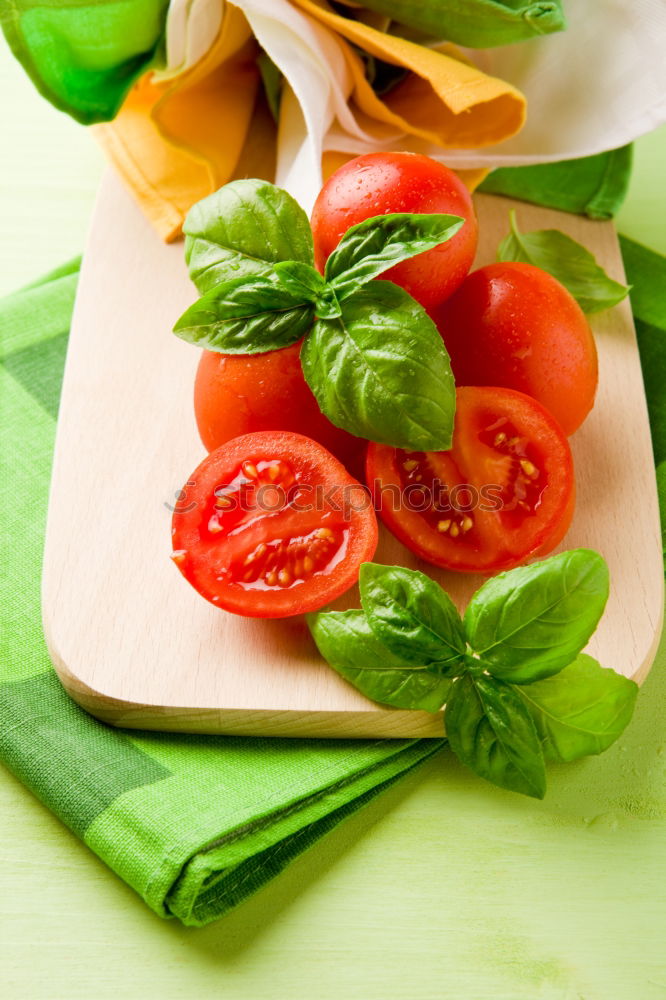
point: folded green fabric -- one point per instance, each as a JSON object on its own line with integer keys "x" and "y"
{"x": 480, "y": 24}
{"x": 646, "y": 273}
{"x": 84, "y": 55}
{"x": 592, "y": 185}
{"x": 195, "y": 824}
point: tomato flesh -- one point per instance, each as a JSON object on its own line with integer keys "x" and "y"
{"x": 503, "y": 493}
{"x": 272, "y": 525}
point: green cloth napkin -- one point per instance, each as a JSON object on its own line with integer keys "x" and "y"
{"x": 194, "y": 823}
{"x": 479, "y": 24}
{"x": 82, "y": 56}
{"x": 646, "y": 273}
{"x": 592, "y": 185}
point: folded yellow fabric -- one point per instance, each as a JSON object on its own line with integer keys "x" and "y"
{"x": 177, "y": 140}
{"x": 443, "y": 99}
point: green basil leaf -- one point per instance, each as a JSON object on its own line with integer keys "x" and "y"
{"x": 347, "y": 642}
{"x": 533, "y": 621}
{"x": 246, "y": 316}
{"x": 376, "y": 244}
{"x": 412, "y": 616}
{"x": 381, "y": 371}
{"x": 307, "y": 284}
{"x": 581, "y": 711}
{"x": 568, "y": 261}
{"x": 491, "y": 731}
{"x": 244, "y": 228}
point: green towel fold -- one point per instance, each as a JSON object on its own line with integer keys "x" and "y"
{"x": 592, "y": 185}
{"x": 83, "y": 57}
{"x": 195, "y": 824}
{"x": 480, "y": 24}
{"x": 646, "y": 273}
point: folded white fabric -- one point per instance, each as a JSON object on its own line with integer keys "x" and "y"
{"x": 596, "y": 86}
{"x": 191, "y": 27}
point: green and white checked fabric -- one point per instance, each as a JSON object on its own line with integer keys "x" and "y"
{"x": 194, "y": 824}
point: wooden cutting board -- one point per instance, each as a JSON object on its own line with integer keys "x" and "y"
{"x": 135, "y": 645}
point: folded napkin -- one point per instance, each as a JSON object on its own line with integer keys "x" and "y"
{"x": 196, "y": 116}
{"x": 177, "y": 138}
{"x": 465, "y": 113}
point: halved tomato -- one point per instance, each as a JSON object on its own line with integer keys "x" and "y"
{"x": 272, "y": 525}
{"x": 503, "y": 493}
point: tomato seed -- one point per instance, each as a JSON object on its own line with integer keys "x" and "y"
{"x": 529, "y": 468}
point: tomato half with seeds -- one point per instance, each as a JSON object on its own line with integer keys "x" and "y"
{"x": 272, "y": 525}
{"x": 502, "y": 494}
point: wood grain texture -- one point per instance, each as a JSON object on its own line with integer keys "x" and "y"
{"x": 136, "y": 646}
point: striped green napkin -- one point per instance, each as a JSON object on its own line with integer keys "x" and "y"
{"x": 194, "y": 823}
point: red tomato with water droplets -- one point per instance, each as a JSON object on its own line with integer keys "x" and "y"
{"x": 238, "y": 394}
{"x": 514, "y": 325}
{"x": 383, "y": 183}
{"x": 272, "y": 525}
{"x": 503, "y": 493}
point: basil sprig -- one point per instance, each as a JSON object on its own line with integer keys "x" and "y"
{"x": 568, "y": 261}
{"x": 380, "y": 370}
{"x": 371, "y": 355}
{"x": 517, "y": 690}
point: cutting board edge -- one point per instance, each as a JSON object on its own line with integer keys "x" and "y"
{"x": 382, "y": 723}
{"x": 137, "y": 712}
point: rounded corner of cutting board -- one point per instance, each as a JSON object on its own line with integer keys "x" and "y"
{"x": 102, "y": 706}
{"x": 131, "y": 647}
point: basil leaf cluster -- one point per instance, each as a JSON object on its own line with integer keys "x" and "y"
{"x": 371, "y": 355}
{"x": 568, "y": 261}
{"x": 516, "y": 688}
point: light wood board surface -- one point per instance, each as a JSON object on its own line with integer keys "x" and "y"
{"x": 131, "y": 640}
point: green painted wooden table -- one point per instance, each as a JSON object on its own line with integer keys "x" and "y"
{"x": 442, "y": 888}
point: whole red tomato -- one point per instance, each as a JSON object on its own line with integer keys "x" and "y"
{"x": 515, "y": 325}
{"x": 238, "y": 394}
{"x": 383, "y": 183}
